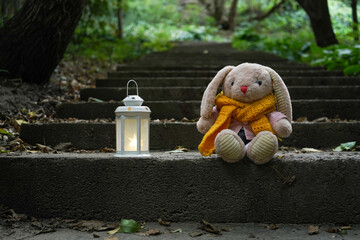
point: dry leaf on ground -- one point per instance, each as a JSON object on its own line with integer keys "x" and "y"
{"x": 310, "y": 150}
{"x": 195, "y": 234}
{"x": 112, "y": 238}
{"x": 151, "y": 232}
{"x": 272, "y": 226}
{"x": 211, "y": 228}
{"x": 313, "y": 230}
{"x": 164, "y": 223}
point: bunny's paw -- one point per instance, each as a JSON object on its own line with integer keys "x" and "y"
{"x": 229, "y": 146}
{"x": 262, "y": 148}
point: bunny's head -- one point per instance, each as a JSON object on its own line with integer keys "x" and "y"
{"x": 247, "y": 82}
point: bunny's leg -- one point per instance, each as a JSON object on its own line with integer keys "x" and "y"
{"x": 229, "y": 146}
{"x": 262, "y": 148}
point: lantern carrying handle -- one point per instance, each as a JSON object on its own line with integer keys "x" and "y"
{"x": 127, "y": 87}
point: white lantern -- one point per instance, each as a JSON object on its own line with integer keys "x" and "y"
{"x": 132, "y": 126}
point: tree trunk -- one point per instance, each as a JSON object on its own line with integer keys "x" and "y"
{"x": 355, "y": 19}
{"x": 3, "y": 10}
{"x": 318, "y": 12}
{"x": 33, "y": 42}
{"x": 232, "y": 14}
{"x": 271, "y": 11}
{"x": 119, "y": 19}
{"x": 218, "y": 10}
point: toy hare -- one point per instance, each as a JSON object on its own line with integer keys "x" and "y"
{"x": 248, "y": 116}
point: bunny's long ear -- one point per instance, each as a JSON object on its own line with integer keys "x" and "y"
{"x": 208, "y": 99}
{"x": 281, "y": 94}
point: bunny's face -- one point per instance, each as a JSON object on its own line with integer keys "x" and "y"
{"x": 248, "y": 83}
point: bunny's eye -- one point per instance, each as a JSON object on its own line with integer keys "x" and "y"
{"x": 232, "y": 83}
{"x": 259, "y": 82}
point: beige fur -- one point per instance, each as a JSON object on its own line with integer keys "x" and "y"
{"x": 247, "y": 74}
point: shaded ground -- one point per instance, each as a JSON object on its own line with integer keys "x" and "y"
{"x": 19, "y": 226}
{"x": 29, "y": 103}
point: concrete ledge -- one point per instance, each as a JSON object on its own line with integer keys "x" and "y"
{"x": 170, "y": 135}
{"x": 312, "y": 109}
{"x": 293, "y": 188}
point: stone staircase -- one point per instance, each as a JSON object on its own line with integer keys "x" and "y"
{"x": 294, "y": 187}
{"x": 172, "y": 84}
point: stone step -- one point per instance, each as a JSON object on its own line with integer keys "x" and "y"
{"x": 200, "y": 73}
{"x": 276, "y": 67}
{"x": 204, "y": 81}
{"x": 170, "y": 135}
{"x": 292, "y": 188}
{"x": 196, "y": 93}
{"x": 312, "y": 109}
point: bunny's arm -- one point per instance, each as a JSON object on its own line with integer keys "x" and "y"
{"x": 204, "y": 124}
{"x": 280, "y": 124}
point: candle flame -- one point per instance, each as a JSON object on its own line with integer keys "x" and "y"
{"x": 132, "y": 141}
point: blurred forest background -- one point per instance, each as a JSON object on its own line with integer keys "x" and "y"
{"x": 116, "y": 31}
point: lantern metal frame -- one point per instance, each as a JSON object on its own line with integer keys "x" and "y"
{"x": 132, "y": 109}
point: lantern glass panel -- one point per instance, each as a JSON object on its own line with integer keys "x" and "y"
{"x": 118, "y": 134}
{"x": 130, "y": 134}
{"x": 144, "y": 134}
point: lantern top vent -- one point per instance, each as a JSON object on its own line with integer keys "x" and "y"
{"x": 132, "y": 100}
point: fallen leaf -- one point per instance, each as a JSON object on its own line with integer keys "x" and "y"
{"x": 321, "y": 119}
{"x": 195, "y": 234}
{"x": 43, "y": 148}
{"x": 225, "y": 229}
{"x": 107, "y": 150}
{"x": 63, "y": 146}
{"x": 272, "y": 226}
{"x": 152, "y": 232}
{"x": 112, "y": 238}
{"x": 36, "y": 224}
{"x": 129, "y": 226}
{"x": 92, "y": 225}
{"x": 184, "y": 149}
{"x": 179, "y": 230}
{"x": 310, "y": 150}
{"x": 17, "y": 124}
{"x": 313, "y": 230}
{"x": 3, "y": 131}
{"x": 345, "y": 147}
{"x": 164, "y": 223}
{"x": 209, "y": 227}
{"x": 346, "y": 227}
{"x": 92, "y": 99}
{"x": 32, "y": 114}
{"x": 96, "y": 235}
{"x": 112, "y": 232}
{"x": 178, "y": 149}
{"x": 301, "y": 119}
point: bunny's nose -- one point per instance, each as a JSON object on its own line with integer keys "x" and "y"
{"x": 244, "y": 89}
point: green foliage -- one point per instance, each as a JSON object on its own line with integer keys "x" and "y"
{"x": 4, "y": 132}
{"x": 287, "y": 33}
{"x": 126, "y": 226}
{"x": 148, "y": 26}
{"x": 345, "y": 147}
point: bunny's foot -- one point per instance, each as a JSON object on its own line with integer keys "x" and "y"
{"x": 229, "y": 146}
{"x": 262, "y": 148}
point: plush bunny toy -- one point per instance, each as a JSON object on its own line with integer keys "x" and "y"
{"x": 248, "y": 116}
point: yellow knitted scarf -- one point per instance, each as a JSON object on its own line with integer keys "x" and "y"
{"x": 253, "y": 113}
